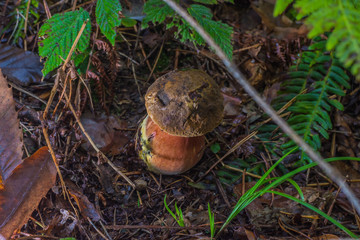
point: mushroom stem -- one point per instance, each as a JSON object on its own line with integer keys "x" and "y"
{"x": 168, "y": 154}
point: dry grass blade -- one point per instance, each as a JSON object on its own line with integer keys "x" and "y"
{"x": 333, "y": 173}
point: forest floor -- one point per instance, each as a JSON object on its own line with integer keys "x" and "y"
{"x": 102, "y": 205}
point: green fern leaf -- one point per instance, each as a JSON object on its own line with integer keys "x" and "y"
{"x": 220, "y": 32}
{"x": 107, "y": 16}
{"x": 59, "y": 33}
{"x": 322, "y": 75}
{"x": 341, "y": 17}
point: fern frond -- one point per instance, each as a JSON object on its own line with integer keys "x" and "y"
{"x": 322, "y": 75}
{"x": 58, "y": 34}
{"x": 341, "y": 18}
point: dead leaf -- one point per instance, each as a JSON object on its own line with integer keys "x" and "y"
{"x": 22, "y": 67}
{"x": 10, "y": 133}
{"x": 325, "y": 237}
{"x": 87, "y": 208}
{"x": 24, "y": 189}
{"x": 106, "y": 132}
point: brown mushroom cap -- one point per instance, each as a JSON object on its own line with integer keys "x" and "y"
{"x": 185, "y": 103}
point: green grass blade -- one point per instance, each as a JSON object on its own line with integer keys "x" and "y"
{"x": 318, "y": 211}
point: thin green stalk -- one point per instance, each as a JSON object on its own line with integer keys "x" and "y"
{"x": 251, "y": 194}
{"x": 318, "y": 211}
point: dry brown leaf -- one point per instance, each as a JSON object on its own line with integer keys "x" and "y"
{"x": 21, "y": 67}
{"x": 106, "y": 132}
{"x": 10, "y": 133}
{"x": 87, "y": 208}
{"x": 24, "y": 189}
{"x": 325, "y": 237}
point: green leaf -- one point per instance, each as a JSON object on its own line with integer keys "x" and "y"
{"x": 128, "y": 22}
{"x": 156, "y": 11}
{"x": 215, "y": 148}
{"x": 220, "y": 32}
{"x": 107, "y": 17}
{"x": 59, "y": 33}
{"x": 210, "y": 2}
{"x": 280, "y": 6}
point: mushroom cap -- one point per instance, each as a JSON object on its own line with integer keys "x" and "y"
{"x": 185, "y": 103}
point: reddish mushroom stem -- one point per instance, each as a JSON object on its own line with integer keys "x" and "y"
{"x": 169, "y": 154}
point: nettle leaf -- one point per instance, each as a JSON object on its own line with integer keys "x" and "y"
{"x": 156, "y": 11}
{"x": 280, "y": 6}
{"x": 107, "y": 16}
{"x": 58, "y": 35}
{"x": 220, "y": 32}
{"x": 210, "y": 2}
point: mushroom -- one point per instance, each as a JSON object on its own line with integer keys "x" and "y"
{"x": 182, "y": 106}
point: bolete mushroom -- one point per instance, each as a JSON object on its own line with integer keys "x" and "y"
{"x": 182, "y": 106}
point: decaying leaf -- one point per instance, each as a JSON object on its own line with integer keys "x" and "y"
{"x": 10, "y": 133}
{"x": 87, "y": 208}
{"x": 24, "y": 189}
{"x": 106, "y": 133}
{"x": 22, "y": 67}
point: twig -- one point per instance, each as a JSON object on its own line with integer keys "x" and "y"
{"x": 46, "y": 135}
{"x": 156, "y": 61}
{"x": 332, "y": 206}
{"x": 47, "y": 10}
{"x": 247, "y": 48}
{"x": 74, "y": 44}
{"x": 137, "y": 83}
{"x": 98, "y": 231}
{"x": 119, "y": 227}
{"x": 26, "y": 22}
{"x": 26, "y": 92}
{"x": 222, "y": 191}
{"x": 232, "y": 68}
{"x": 62, "y": 69}
{"x": 59, "y": 75}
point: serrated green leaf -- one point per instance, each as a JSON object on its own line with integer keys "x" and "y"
{"x": 220, "y": 32}
{"x": 58, "y": 34}
{"x": 156, "y": 11}
{"x": 210, "y": 2}
{"x": 280, "y": 6}
{"x": 107, "y": 17}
